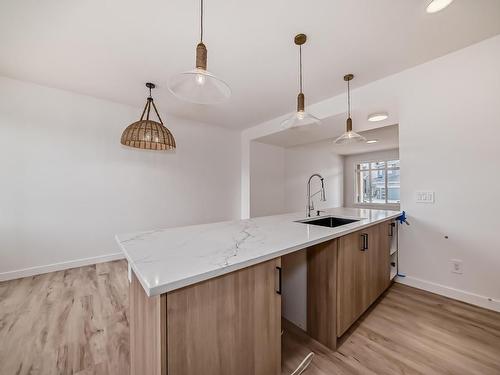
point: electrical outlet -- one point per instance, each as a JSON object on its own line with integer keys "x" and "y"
{"x": 457, "y": 266}
{"x": 425, "y": 197}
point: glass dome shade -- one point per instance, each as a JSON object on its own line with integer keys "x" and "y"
{"x": 350, "y": 137}
{"x": 300, "y": 120}
{"x": 199, "y": 86}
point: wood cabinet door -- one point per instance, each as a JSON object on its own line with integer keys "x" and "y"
{"x": 362, "y": 274}
{"x": 227, "y": 325}
{"x": 353, "y": 295}
{"x": 379, "y": 259}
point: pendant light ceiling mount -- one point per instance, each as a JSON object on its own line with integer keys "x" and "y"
{"x": 199, "y": 85}
{"x": 300, "y": 118}
{"x": 349, "y": 77}
{"x": 300, "y": 39}
{"x": 148, "y": 134}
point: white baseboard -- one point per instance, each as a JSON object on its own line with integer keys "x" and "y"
{"x": 38, "y": 270}
{"x": 460, "y": 295}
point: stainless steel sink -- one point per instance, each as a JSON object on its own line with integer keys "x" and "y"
{"x": 329, "y": 221}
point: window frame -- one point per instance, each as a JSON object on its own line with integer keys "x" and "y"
{"x": 357, "y": 175}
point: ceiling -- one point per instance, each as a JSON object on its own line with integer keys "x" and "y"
{"x": 110, "y": 48}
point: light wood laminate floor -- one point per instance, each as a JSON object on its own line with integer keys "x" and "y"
{"x": 75, "y": 322}
{"x": 67, "y": 322}
{"x": 408, "y": 331}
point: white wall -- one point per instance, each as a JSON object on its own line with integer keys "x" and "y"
{"x": 68, "y": 185}
{"x": 350, "y": 162}
{"x": 278, "y": 177}
{"x": 267, "y": 179}
{"x": 449, "y": 143}
{"x": 301, "y": 162}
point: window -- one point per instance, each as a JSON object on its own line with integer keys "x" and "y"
{"x": 377, "y": 182}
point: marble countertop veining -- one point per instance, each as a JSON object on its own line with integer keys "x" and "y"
{"x": 168, "y": 259}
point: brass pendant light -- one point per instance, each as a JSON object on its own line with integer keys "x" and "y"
{"x": 349, "y": 136}
{"x": 300, "y": 118}
{"x": 198, "y": 85}
{"x": 148, "y": 134}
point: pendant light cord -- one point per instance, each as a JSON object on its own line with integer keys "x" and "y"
{"x": 201, "y": 22}
{"x": 300, "y": 68}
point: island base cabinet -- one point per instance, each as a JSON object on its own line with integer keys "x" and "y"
{"x": 223, "y": 326}
{"x": 227, "y": 325}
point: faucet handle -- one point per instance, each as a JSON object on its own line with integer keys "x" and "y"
{"x": 318, "y": 212}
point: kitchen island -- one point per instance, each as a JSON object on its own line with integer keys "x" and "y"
{"x": 206, "y": 299}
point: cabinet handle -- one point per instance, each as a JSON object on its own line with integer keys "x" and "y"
{"x": 391, "y": 229}
{"x": 279, "y": 280}
{"x": 364, "y": 242}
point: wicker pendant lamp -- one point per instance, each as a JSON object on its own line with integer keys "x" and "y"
{"x": 148, "y": 134}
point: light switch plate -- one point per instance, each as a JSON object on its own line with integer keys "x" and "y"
{"x": 425, "y": 197}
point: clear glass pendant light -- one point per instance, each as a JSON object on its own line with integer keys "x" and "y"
{"x": 199, "y": 85}
{"x": 301, "y": 119}
{"x": 349, "y": 136}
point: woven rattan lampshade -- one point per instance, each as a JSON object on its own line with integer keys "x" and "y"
{"x": 148, "y": 134}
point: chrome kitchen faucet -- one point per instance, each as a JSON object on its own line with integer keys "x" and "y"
{"x": 310, "y": 204}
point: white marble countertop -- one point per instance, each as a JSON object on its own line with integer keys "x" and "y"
{"x": 168, "y": 259}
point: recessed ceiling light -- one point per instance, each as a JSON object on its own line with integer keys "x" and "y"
{"x": 437, "y": 5}
{"x": 374, "y": 117}
{"x": 372, "y": 141}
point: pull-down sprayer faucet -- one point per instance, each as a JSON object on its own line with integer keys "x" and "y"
{"x": 310, "y": 205}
